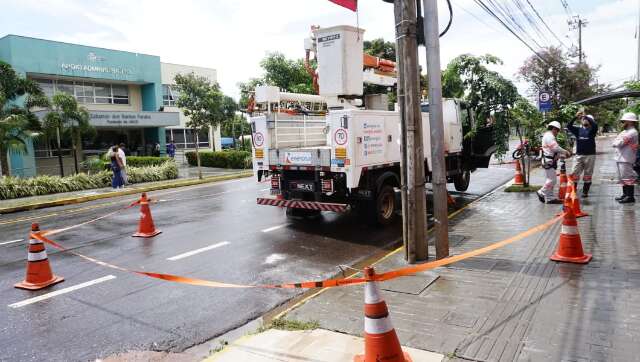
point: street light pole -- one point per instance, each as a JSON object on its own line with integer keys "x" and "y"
{"x": 436, "y": 127}
{"x": 412, "y": 165}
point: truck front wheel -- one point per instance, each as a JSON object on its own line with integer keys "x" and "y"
{"x": 461, "y": 181}
{"x": 386, "y": 205}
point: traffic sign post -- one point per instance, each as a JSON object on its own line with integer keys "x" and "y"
{"x": 544, "y": 101}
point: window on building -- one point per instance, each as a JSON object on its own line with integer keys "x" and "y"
{"x": 102, "y": 93}
{"x": 120, "y": 93}
{"x": 170, "y": 95}
{"x": 47, "y": 86}
{"x": 86, "y": 92}
{"x": 64, "y": 86}
{"x": 184, "y": 138}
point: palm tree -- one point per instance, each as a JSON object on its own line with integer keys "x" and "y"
{"x": 17, "y": 124}
{"x": 65, "y": 114}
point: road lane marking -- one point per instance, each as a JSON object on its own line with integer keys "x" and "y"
{"x": 10, "y": 242}
{"x": 61, "y": 291}
{"x": 197, "y": 251}
{"x": 274, "y": 228}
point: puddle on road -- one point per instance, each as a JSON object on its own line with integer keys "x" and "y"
{"x": 274, "y": 258}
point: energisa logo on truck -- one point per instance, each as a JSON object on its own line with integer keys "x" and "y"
{"x": 298, "y": 158}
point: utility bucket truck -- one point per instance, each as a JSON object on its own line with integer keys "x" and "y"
{"x": 329, "y": 153}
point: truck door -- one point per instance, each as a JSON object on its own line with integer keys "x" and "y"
{"x": 479, "y": 148}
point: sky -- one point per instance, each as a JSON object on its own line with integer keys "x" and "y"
{"x": 232, "y": 36}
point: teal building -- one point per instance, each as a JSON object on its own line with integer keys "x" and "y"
{"x": 123, "y": 92}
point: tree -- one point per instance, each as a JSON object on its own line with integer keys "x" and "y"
{"x": 229, "y": 109}
{"x": 203, "y": 103}
{"x": 286, "y": 74}
{"x": 380, "y": 48}
{"x": 65, "y": 115}
{"x": 489, "y": 94}
{"x": 17, "y": 124}
{"x": 553, "y": 71}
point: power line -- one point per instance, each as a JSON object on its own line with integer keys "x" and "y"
{"x": 567, "y": 8}
{"x": 546, "y": 25}
{"x": 477, "y": 18}
{"x": 488, "y": 10}
{"x": 507, "y": 15}
{"x": 531, "y": 20}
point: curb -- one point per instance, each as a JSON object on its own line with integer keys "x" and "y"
{"x": 130, "y": 191}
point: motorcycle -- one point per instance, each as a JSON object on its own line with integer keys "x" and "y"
{"x": 525, "y": 148}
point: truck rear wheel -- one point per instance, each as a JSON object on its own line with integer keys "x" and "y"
{"x": 385, "y": 205}
{"x": 461, "y": 181}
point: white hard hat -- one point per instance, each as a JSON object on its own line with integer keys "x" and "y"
{"x": 554, "y": 124}
{"x": 590, "y": 117}
{"x": 629, "y": 116}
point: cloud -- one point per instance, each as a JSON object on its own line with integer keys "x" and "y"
{"x": 233, "y": 36}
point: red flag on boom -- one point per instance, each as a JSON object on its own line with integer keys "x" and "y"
{"x": 349, "y": 4}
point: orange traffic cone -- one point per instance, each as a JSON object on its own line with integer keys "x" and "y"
{"x": 380, "y": 340}
{"x": 146, "y": 228}
{"x": 575, "y": 201}
{"x": 562, "y": 191}
{"x": 518, "y": 179}
{"x": 39, "y": 273}
{"x": 450, "y": 200}
{"x": 569, "y": 248}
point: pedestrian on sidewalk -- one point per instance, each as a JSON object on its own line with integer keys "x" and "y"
{"x": 171, "y": 149}
{"x": 551, "y": 151}
{"x": 122, "y": 153}
{"x": 626, "y": 145}
{"x": 585, "y": 150}
{"x": 116, "y": 167}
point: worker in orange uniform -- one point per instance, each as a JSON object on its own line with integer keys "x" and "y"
{"x": 626, "y": 145}
{"x": 551, "y": 152}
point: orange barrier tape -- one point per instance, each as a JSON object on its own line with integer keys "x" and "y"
{"x": 60, "y": 230}
{"x": 452, "y": 259}
{"x": 312, "y": 284}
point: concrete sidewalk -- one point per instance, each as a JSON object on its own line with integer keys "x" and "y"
{"x": 514, "y": 304}
{"x": 316, "y": 345}
{"x": 188, "y": 176}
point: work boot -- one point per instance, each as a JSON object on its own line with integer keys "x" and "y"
{"x": 623, "y": 194}
{"x": 628, "y": 195}
{"x": 585, "y": 189}
{"x": 540, "y": 196}
{"x": 553, "y": 202}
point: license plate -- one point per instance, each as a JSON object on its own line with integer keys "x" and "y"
{"x": 302, "y": 186}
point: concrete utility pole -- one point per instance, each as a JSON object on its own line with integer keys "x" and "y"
{"x": 412, "y": 160}
{"x": 578, "y": 23}
{"x": 438, "y": 167}
{"x": 638, "y": 40}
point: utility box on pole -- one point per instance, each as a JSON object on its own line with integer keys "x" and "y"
{"x": 340, "y": 61}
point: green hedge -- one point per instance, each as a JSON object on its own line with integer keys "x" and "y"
{"x": 144, "y": 161}
{"x": 222, "y": 159}
{"x": 14, "y": 187}
{"x": 140, "y": 161}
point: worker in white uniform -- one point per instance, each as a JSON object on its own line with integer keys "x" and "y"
{"x": 626, "y": 145}
{"x": 551, "y": 151}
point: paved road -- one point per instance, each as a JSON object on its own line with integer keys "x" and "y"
{"x": 248, "y": 244}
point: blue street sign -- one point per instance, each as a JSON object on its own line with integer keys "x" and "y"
{"x": 544, "y": 101}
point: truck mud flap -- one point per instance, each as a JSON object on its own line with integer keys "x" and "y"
{"x": 299, "y": 204}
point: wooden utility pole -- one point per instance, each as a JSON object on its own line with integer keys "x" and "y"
{"x": 412, "y": 160}
{"x": 436, "y": 127}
